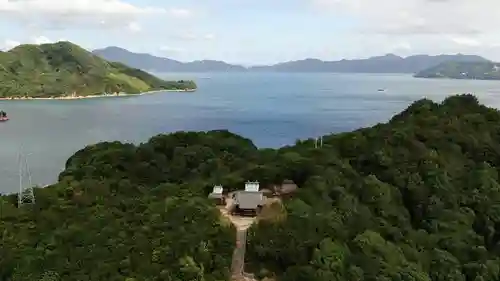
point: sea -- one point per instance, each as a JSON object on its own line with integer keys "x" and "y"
{"x": 272, "y": 109}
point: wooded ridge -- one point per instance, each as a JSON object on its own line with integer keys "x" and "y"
{"x": 416, "y": 198}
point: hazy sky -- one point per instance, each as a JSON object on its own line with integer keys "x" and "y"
{"x": 259, "y": 31}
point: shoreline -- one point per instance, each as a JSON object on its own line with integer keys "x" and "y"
{"x": 75, "y": 97}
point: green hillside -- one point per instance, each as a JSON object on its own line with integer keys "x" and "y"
{"x": 463, "y": 70}
{"x": 414, "y": 199}
{"x": 64, "y": 68}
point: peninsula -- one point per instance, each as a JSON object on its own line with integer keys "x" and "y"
{"x": 64, "y": 70}
{"x": 485, "y": 70}
{"x": 416, "y": 198}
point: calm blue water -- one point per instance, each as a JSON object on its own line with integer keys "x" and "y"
{"x": 271, "y": 109}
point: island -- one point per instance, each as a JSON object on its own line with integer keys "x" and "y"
{"x": 485, "y": 70}
{"x": 64, "y": 70}
{"x": 416, "y": 198}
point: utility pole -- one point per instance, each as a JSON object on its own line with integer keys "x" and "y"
{"x": 318, "y": 142}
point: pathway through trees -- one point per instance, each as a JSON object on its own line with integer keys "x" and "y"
{"x": 241, "y": 224}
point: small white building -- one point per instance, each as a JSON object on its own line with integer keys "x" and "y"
{"x": 218, "y": 189}
{"x": 252, "y": 186}
{"x": 217, "y": 194}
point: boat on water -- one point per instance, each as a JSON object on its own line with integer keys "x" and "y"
{"x": 3, "y": 116}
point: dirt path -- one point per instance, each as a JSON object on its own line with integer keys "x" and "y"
{"x": 238, "y": 264}
{"x": 242, "y": 224}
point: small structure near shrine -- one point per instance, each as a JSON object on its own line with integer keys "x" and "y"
{"x": 287, "y": 188}
{"x": 217, "y": 195}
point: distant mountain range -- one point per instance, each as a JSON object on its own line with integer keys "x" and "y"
{"x": 158, "y": 64}
{"x": 389, "y": 63}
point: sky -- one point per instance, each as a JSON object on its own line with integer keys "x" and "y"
{"x": 253, "y": 32}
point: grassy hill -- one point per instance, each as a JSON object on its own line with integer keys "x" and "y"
{"x": 64, "y": 68}
{"x": 463, "y": 70}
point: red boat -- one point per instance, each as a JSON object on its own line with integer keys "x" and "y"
{"x": 3, "y": 116}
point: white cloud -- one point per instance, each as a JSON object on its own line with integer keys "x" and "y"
{"x": 466, "y": 41}
{"x": 428, "y": 26}
{"x": 402, "y": 46}
{"x": 84, "y": 13}
{"x": 74, "y": 7}
{"x": 186, "y": 36}
{"x": 209, "y": 36}
{"x": 180, "y": 13}
{"x": 8, "y": 44}
{"x": 169, "y": 50}
{"x": 189, "y": 36}
{"x": 134, "y": 27}
{"x": 419, "y": 16}
{"x": 41, "y": 40}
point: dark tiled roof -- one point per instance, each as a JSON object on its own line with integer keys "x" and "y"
{"x": 248, "y": 199}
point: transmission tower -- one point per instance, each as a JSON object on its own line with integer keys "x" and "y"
{"x": 25, "y": 195}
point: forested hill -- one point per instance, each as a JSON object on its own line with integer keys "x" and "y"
{"x": 417, "y": 198}
{"x": 463, "y": 70}
{"x": 63, "y": 68}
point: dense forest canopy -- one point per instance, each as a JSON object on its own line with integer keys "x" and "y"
{"x": 63, "y": 68}
{"x": 415, "y": 199}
